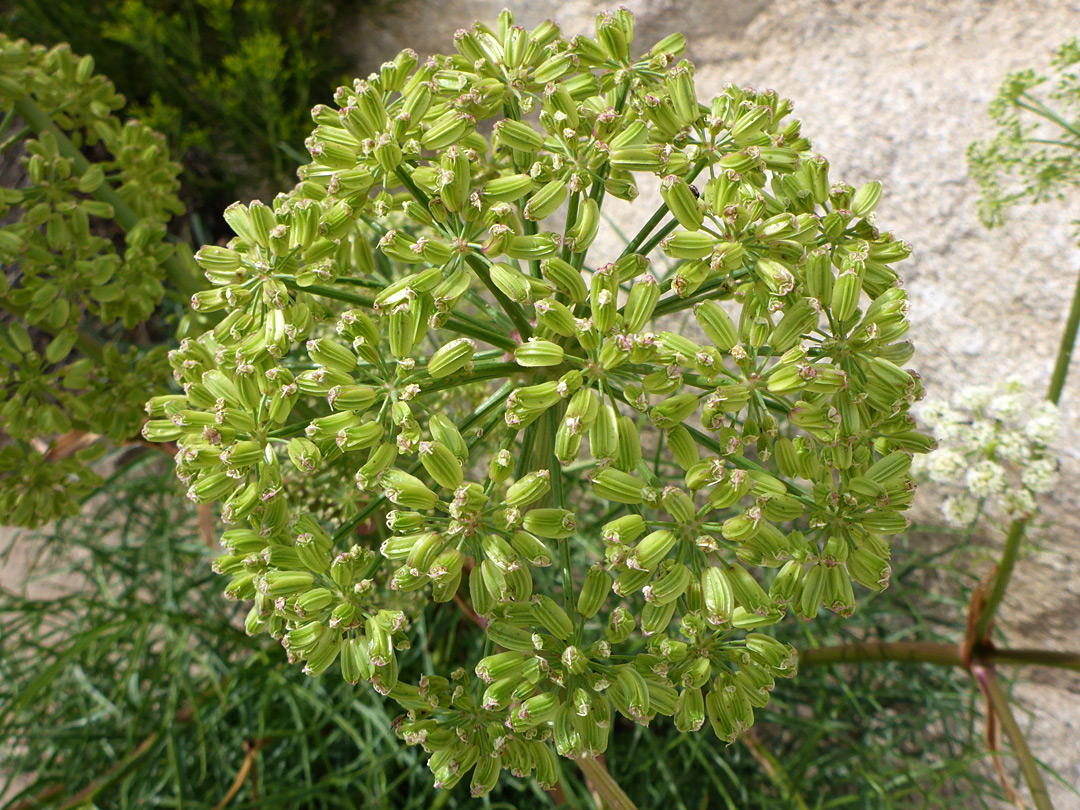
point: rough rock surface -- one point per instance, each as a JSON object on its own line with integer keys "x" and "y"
{"x": 895, "y": 90}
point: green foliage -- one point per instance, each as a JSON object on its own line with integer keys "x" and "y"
{"x": 227, "y": 81}
{"x": 37, "y": 486}
{"x": 456, "y": 373}
{"x": 1035, "y": 154}
{"x": 84, "y": 256}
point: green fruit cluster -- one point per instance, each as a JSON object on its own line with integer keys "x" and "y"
{"x": 83, "y": 252}
{"x": 622, "y": 497}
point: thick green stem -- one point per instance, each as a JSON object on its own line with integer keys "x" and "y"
{"x": 1029, "y": 768}
{"x": 601, "y": 780}
{"x": 1065, "y": 350}
{"x": 180, "y": 276}
{"x": 1046, "y": 658}
{"x": 486, "y": 372}
{"x": 928, "y": 652}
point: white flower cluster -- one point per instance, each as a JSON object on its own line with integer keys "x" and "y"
{"x": 996, "y": 451}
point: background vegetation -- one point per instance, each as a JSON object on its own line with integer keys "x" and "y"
{"x": 230, "y": 83}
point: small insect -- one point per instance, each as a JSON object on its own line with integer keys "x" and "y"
{"x": 695, "y": 191}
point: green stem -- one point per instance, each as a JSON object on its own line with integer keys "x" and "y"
{"x": 650, "y": 246}
{"x": 708, "y": 290}
{"x": 9, "y": 116}
{"x": 531, "y": 229}
{"x": 488, "y": 331}
{"x": 1016, "y": 530}
{"x": 487, "y": 372}
{"x": 180, "y": 276}
{"x": 1028, "y": 766}
{"x": 1046, "y": 658}
{"x": 1001, "y": 580}
{"x": 291, "y": 429}
{"x": 928, "y": 652}
{"x": 646, "y": 229}
{"x": 414, "y": 189}
{"x": 515, "y": 312}
{"x": 492, "y": 402}
{"x": 1033, "y": 105}
{"x": 454, "y": 324}
{"x": 1065, "y": 350}
{"x": 601, "y": 780}
{"x": 559, "y": 498}
{"x": 13, "y": 139}
{"x": 1048, "y": 142}
{"x": 571, "y": 217}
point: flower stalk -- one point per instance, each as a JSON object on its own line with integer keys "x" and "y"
{"x": 1065, "y": 350}
{"x": 1000, "y": 706}
{"x": 611, "y": 795}
{"x": 1005, "y": 567}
